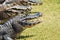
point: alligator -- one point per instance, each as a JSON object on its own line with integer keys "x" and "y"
{"x": 6, "y": 4}
{"x": 9, "y": 29}
{"x": 16, "y": 15}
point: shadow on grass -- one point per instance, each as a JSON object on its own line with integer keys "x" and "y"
{"x": 32, "y": 12}
{"x": 22, "y": 37}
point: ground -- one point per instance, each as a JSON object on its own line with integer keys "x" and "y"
{"x": 49, "y": 29}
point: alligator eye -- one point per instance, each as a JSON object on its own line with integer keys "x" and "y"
{"x": 2, "y": 1}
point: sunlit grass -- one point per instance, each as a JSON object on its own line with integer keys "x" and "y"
{"x": 49, "y": 29}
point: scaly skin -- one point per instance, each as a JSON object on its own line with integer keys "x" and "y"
{"x": 16, "y": 25}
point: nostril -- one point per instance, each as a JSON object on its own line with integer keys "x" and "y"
{"x": 34, "y": 24}
{"x": 29, "y": 24}
{"x": 41, "y": 3}
{"x": 38, "y": 22}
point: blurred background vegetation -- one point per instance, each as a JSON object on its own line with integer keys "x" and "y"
{"x": 49, "y": 29}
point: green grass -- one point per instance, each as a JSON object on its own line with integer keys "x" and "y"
{"x": 49, "y": 29}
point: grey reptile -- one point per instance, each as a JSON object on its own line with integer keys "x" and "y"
{"x": 20, "y": 21}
